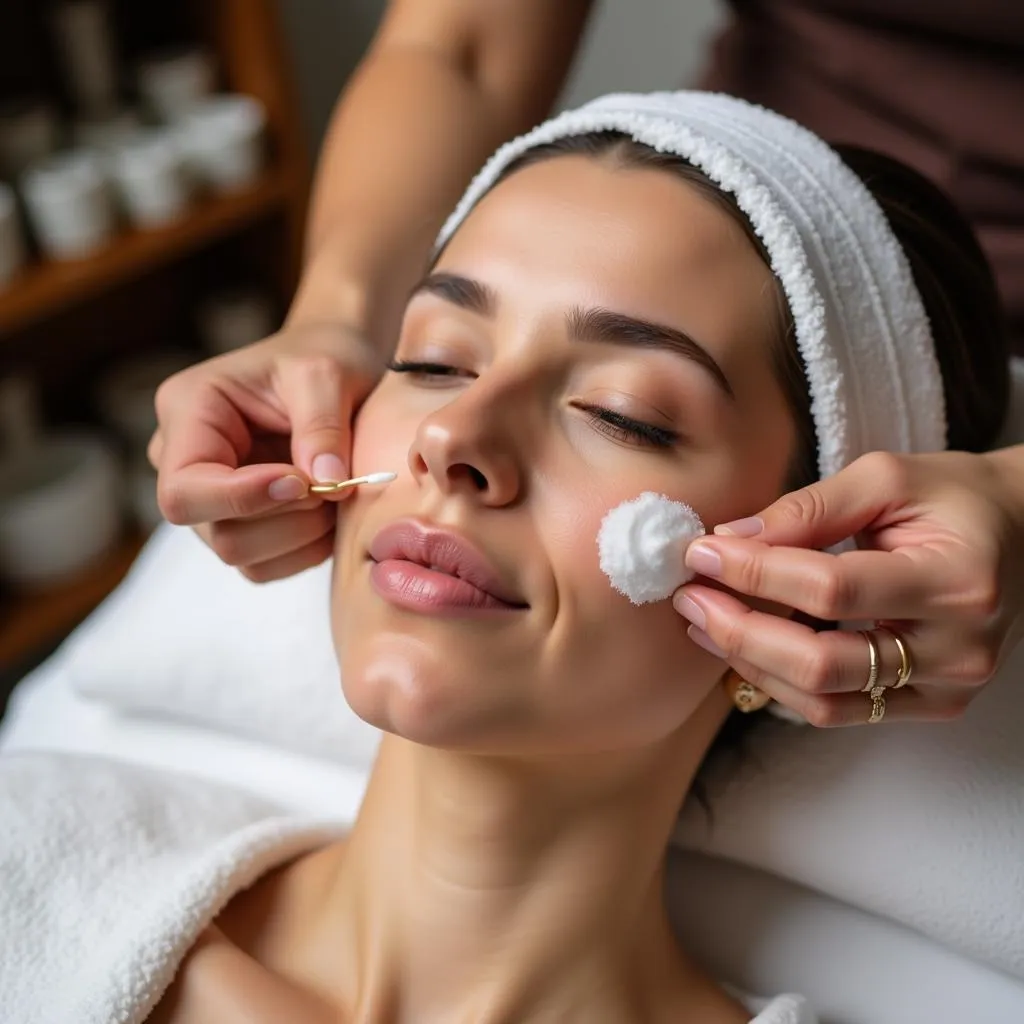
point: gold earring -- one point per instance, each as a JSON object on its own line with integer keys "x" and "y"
{"x": 745, "y": 696}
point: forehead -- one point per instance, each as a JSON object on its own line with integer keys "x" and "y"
{"x": 577, "y": 230}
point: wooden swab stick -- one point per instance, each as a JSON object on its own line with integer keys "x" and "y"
{"x": 332, "y": 487}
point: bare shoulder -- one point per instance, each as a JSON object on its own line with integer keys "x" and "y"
{"x": 236, "y": 970}
{"x": 219, "y": 983}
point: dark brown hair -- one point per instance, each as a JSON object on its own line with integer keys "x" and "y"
{"x": 951, "y": 273}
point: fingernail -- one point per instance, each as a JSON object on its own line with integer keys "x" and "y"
{"x": 689, "y": 609}
{"x": 329, "y": 469}
{"x": 703, "y": 560}
{"x": 701, "y": 639}
{"x": 288, "y": 488}
{"x": 749, "y": 527}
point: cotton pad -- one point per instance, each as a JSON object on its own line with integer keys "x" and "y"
{"x": 642, "y": 543}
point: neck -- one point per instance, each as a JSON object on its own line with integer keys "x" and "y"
{"x": 551, "y": 871}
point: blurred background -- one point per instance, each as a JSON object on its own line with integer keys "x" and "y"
{"x": 630, "y": 45}
{"x": 154, "y": 171}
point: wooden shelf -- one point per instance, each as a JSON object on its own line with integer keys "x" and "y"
{"x": 43, "y": 288}
{"x": 138, "y": 267}
{"x": 35, "y": 620}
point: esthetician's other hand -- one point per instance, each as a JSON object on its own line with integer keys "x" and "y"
{"x": 241, "y": 436}
{"x": 941, "y": 560}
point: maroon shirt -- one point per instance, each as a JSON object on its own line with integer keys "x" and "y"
{"x": 938, "y": 84}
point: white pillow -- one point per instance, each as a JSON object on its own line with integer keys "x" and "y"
{"x": 919, "y": 823}
{"x": 187, "y": 637}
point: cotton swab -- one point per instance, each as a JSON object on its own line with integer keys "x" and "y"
{"x": 332, "y": 487}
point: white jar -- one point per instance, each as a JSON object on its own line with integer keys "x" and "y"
{"x": 106, "y": 134}
{"x": 233, "y": 318}
{"x": 223, "y": 139}
{"x": 70, "y": 204}
{"x": 172, "y": 82}
{"x": 12, "y": 246}
{"x": 59, "y": 509}
{"x": 29, "y": 133}
{"x": 125, "y": 395}
{"x": 149, "y": 172}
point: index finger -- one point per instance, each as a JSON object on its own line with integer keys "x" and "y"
{"x": 904, "y": 584}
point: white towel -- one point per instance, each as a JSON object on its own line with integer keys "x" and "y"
{"x": 860, "y": 325}
{"x": 109, "y": 873}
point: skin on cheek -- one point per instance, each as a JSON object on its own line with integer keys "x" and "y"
{"x": 380, "y": 436}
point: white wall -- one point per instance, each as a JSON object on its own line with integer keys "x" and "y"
{"x": 630, "y": 45}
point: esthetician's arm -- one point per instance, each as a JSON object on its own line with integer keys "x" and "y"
{"x": 240, "y": 436}
{"x": 941, "y": 558}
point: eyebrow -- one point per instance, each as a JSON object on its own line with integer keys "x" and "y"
{"x": 459, "y": 291}
{"x": 604, "y": 325}
{"x": 594, "y": 325}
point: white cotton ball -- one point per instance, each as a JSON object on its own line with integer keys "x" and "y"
{"x": 642, "y": 543}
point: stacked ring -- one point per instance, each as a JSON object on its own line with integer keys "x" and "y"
{"x": 906, "y": 663}
{"x": 874, "y": 661}
{"x": 872, "y": 688}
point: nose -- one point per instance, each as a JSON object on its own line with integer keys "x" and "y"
{"x": 466, "y": 448}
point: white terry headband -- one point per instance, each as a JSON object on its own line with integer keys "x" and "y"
{"x": 861, "y": 327}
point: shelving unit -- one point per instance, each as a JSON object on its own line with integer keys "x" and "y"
{"x": 62, "y": 322}
{"x": 46, "y": 288}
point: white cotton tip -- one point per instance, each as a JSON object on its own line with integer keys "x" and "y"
{"x": 642, "y": 544}
{"x": 379, "y": 478}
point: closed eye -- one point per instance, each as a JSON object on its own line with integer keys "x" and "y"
{"x": 607, "y": 421}
{"x": 624, "y": 428}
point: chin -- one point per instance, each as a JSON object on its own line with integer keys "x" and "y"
{"x": 399, "y": 686}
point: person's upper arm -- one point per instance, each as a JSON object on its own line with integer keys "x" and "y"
{"x": 517, "y": 52}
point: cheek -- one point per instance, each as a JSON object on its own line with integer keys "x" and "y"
{"x": 622, "y": 673}
{"x": 382, "y": 434}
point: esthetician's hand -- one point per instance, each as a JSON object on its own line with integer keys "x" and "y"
{"x": 941, "y": 560}
{"x": 241, "y": 436}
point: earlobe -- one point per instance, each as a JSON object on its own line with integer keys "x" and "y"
{"x": 745, "y": 696}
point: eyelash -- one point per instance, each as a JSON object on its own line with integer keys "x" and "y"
{"x": 424, "y": 369}
{"x": 612, "y": 424}
{"x": 623, "y": 428}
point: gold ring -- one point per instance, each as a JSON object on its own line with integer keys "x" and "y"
{"x": 874, "y": 662}
{"x": 906, "y": 662}
{"x": 877, "y": 705}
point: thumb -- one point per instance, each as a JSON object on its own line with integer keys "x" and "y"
{"x": 823, "y": 513}
{"x": 318, "y": 408}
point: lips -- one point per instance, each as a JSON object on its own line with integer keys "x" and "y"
{"x": 418, "y": 565}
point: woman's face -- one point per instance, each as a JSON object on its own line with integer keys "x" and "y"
{"x": 590, "y": 332}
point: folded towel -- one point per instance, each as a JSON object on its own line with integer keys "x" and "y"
{"x": 858, "y": 318}
{"x": 110, "y": 872}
